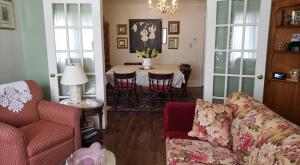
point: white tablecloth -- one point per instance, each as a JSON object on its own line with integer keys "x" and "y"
{"x": 142, "y": 75}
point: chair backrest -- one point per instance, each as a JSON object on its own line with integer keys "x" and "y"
{"x": 132, "y": 63}
{"x": 184, "y": 66}
{"x": 160, "y": 81}
{"x": 29, "y": 112}
{"x": 124, "y": 81}
{"x": 107, "y": 67}
{"x": 186, "y": 73}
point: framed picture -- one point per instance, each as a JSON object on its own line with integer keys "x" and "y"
{"x": 7, "y": 16}
{"x": 296, "y": 17}
{"x": 122, "y": 42}
{"x": 164, "y": 36}
{"x": 144, "y": 34}
{"x": 174, "y": 27}
{"x": 122, "y": 29}
{"x": 173, "y": 43}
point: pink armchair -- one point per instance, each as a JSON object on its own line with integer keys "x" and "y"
{"x": 42, "y": 133}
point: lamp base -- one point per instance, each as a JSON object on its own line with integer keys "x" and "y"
{"x": 75, "y": 94}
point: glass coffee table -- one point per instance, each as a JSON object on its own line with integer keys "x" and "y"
{"x": 109, "y": 158}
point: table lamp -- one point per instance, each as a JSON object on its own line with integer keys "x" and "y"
{"x": 74, "y": 76}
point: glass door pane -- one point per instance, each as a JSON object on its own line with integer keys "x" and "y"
{"x": 222, "y": 12}
{"x": 59, "y": 14}
{"x": 237, "y": 11}
{"x": 235, "y": 53}
{"x": 73, "y": 31}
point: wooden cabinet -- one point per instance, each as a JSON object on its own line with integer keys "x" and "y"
{"x": 282, "y": 96}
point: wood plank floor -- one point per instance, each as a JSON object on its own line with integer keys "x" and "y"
{"x": 136, "y": 138}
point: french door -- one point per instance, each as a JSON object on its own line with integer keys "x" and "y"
{"x": 236, "y": 48}
{"x": 74, "y": 35}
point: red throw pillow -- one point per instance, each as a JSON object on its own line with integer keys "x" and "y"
{"x": 212, "y": 123}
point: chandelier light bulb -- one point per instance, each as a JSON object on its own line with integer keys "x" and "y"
{"x": 162, "y": 8}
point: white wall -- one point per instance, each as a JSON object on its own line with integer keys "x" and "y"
{"x": 11, "y": 58}
{"x": 191, "y": 15}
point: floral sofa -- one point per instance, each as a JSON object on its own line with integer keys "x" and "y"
{"x": 258, "y": 136}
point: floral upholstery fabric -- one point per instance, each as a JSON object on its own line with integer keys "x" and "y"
{"x": 260, "y": 136}
{"x": 212, "y": 123}
{"x": 196, "y": 152}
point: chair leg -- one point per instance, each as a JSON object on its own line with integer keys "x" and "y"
{"x": 169, "y": 96}
{"x": 141, "y": 88}
{"x": 117, "y": 100}
{"x": 183, "y": 95}
{"x": 114, "y": 100}
{"x": 150, "y": 101}
{"x": 136, "y": 96}
{"x": 133, "y": 97}
{"x": 188, "y": 95}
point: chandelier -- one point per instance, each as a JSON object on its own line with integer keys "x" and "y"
{"x": 162, "y": 8}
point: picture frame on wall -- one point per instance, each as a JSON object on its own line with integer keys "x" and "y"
{"x": 122, "y": 43}
{"x": 122, "y": 29}
{"x": 173, "y": 42}
{"x": 7, "y": 16}
{"x": 144, "y": 34}
{"x": 174, "y": 27}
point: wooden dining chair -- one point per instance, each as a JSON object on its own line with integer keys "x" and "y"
{"x": 132, "y": 63}
{"x": 186, "y": 72}
{"x": 135, "y": 63}
{"x": 124, "y": 88}
{"x": 159, "y": 84}
{"x": 109, "y": 87}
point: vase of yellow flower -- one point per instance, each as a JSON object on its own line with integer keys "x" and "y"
{"x": 147, "y": 56}
{"x": 147, "y": 63}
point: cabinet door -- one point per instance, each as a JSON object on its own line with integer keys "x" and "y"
{"x": 296, "y": 112}
{"x": 282, "y": 98}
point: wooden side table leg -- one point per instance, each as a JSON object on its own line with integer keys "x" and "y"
{"x": 83, "y": 116}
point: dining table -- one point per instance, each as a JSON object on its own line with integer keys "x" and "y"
{"x": 142, "y": 78}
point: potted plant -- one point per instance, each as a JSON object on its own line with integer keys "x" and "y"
{"x": 147, "y": 55}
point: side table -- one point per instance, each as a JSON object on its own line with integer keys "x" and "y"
{"x": 89, "y": 107}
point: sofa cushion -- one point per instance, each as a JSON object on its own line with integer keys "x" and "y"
{"x": 42, "y": 135}
{"x": 180, "y": 135}
{"x": 260, "y": 136}
{"x": 183, "y": 151}
{"x": 212, "y": 123}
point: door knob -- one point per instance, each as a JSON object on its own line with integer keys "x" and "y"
{"x": 52, "y": 74}
{"x": 260, "y": 76}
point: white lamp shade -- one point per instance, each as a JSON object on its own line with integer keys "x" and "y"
{"x": 73, "y": 75}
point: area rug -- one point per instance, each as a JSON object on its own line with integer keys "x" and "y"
{"x": 157, "y": 105}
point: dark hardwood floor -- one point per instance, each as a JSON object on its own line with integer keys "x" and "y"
{"x": 136, "y": 138}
